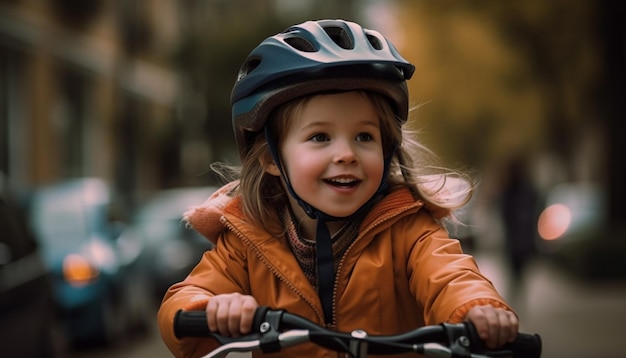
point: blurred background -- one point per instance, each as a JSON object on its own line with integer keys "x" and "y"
{"x": 112, "y": 111}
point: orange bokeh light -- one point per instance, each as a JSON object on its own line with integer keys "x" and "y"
{"x": 554, "y": 221}
{"x": 78, "y": 271}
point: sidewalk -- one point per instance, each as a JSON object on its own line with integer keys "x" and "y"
{"x": 574, "y": 318}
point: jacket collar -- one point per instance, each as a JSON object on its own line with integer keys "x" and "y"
{"x": 208, "y": 218}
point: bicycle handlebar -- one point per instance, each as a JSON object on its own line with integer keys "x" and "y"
{"x": 277, "y": 329}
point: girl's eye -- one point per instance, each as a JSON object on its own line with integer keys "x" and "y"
{"x": 364, "y": 137}
{"x": 320, "y": 137}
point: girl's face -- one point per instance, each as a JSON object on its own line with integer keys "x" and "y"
{"x": 333, "y": 153}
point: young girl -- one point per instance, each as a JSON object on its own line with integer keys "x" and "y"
{"x": 335, "y": 216}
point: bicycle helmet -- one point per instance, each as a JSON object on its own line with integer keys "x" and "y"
{"x": 315, "y": 56}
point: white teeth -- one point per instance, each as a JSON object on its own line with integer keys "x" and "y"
{"x": 343, "y": 180}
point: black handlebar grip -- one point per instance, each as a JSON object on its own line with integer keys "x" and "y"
{"x": 194, "y": 323}
{"x": 526, "y": 346}
{"x": 191, "y": 324}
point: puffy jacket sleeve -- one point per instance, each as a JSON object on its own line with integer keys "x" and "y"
{"x": 446, "y": 281}
{"x": 221, "y": 270}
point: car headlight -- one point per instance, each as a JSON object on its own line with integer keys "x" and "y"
{"x": 554, "y": 221}
{"x": 78, "y": 271}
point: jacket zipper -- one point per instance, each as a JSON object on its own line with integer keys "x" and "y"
{"x": 269, "y": 265}
{"x": 371, "y": 227}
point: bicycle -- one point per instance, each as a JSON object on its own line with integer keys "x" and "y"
{"x": 274, "y": 330}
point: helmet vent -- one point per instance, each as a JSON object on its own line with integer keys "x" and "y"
{"x": 301, "y": 44}
{"x": 375, "y": 42}
{"x": 340, "y": 37}
{"x": 248, "y": 67}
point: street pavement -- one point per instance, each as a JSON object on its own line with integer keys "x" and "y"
{"x": 573, "y": 317}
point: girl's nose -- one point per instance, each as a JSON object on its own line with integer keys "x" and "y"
{"x": 345, "y": 154}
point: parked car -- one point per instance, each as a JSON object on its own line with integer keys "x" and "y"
{"x": 91, "y": 284}
{"x": 165, "y": 247}
{"x": 28, "y": 322}
{"x": 575, "y": 230}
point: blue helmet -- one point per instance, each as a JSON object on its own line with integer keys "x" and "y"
{"x": 312, "y": 57}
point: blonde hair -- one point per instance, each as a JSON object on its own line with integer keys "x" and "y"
{"x": 412, "y": 166}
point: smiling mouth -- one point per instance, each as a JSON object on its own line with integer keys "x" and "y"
{"x": 343, "y": 182}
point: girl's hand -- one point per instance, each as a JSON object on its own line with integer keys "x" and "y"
{"x": 231, "y": 314}
{"x": 495, "y": 326}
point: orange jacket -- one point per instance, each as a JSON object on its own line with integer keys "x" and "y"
{"x": 402, "y": 272}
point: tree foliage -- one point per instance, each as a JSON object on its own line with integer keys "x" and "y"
{"x": 502, "y": 77}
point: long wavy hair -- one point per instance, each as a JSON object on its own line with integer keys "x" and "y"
{"x": 413, "y": 166}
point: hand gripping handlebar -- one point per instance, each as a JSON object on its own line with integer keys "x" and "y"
{"x": 277, "y": 329}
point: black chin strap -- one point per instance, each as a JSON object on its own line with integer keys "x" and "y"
{"x": 324, "y": 257}
{"x": 325, "y": 268}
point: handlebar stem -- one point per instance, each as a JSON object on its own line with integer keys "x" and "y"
{"x": 358, "y": 346}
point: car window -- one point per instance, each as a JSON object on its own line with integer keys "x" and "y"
{"x": 59, "y": 221}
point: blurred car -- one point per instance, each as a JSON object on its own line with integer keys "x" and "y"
{"x": 27, "y": 316}
{"x": 78, "y": 241}
{"x": 165, "y": 247}
{"x": 575, "y": 231}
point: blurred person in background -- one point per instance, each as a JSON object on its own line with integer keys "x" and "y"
{"x": 519, "y": 200}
